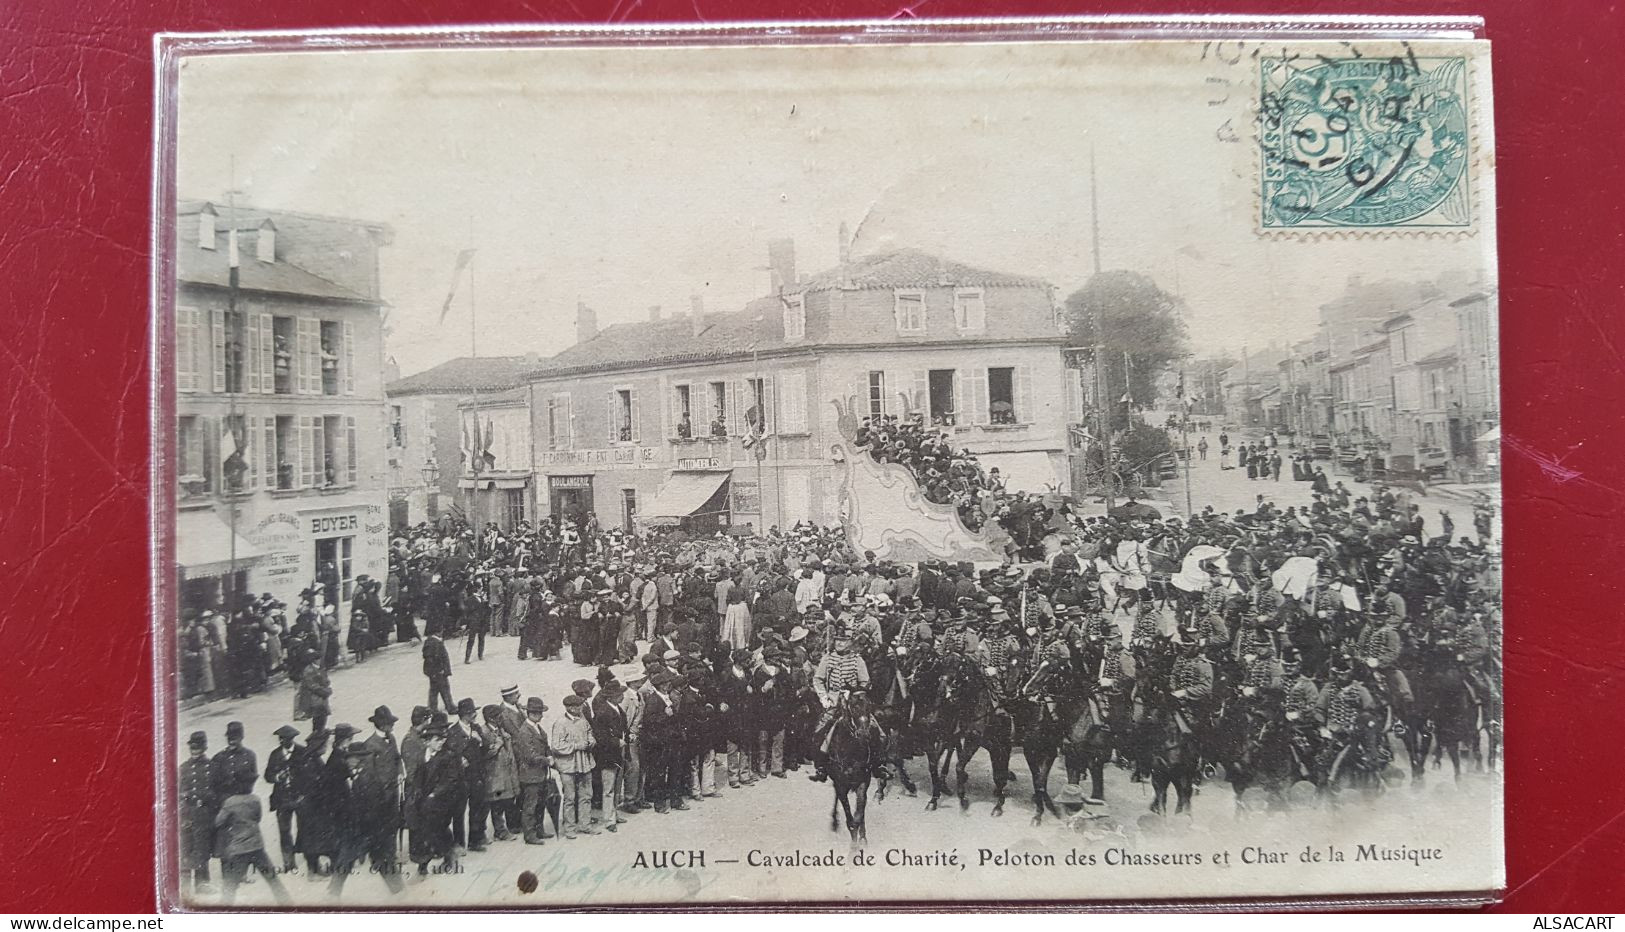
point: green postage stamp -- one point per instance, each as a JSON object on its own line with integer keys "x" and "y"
{"x": 1365, "y": 143}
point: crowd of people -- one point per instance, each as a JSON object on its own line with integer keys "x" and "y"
{"x": 945, "y": 476}
{"x": 745, "y": 648}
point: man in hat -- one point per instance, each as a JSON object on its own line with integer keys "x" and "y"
{"x": 1379, "y": 647}
{"x": 279, "y": 773}
{"x": 611, "y": 734}
{"x": 384, "y": 761}
{"x": 234, "y": 770}
{"x": 198, "y": 805}
{"x": 838, "y": 673}
{"x": 466, "y": 738}
{"x": 511, "y": 712}
{"x": 478, "y": 617}
{"x": 317, "y": 833}
{"x": 571, "y": 744}
{"x": 238, "y": 842}
{"x": 437, "y": 667}
{"x": 661, "y": 742}
{"x": 368, "y": 818}
{"x": 439, "y": 793}
{"x": 532, "y": 759}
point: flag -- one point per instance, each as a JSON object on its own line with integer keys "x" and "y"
{"x": 463, "y": 259}
{"x": 228, "y": 445}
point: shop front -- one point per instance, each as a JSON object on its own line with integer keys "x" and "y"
{"x": 698, "y": 501}
{"x": 212, "y": 561}
{"x": 569, "y": 498}
{"x": 328, "y": 548}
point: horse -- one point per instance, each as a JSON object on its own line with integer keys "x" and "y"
{"x": 1267, "y": 760}
{"x": 1174, "y": 755}
{"x": 1441, "y": 718}
{"x": 857, "y": 751}
{"x": 1054, "y": 710}
{"x": 974, "y": 717}
{"x": 894, "y": 713}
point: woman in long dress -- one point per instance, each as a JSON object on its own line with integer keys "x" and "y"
{"x": 736, "y": 618}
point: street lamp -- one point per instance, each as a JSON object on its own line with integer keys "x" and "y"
{"x": 431, "y": 472}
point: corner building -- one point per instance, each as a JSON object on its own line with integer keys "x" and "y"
{"x": 279, "y": 432}
{"x": 710, "y": 420}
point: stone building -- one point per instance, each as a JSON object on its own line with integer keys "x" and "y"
{"x": 279, "y": 403}
{"x": 712, "y": 419}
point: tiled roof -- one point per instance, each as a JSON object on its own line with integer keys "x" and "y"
{"x": 911, "y": 268}
{"x": 342, "y": 250}
{"x": 212, "y": 267}
{"x": 760, "y": 325}
{"x": 464, "y": 374}
{"x": 672, "y": 339}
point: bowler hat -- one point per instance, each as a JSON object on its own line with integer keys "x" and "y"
{"x": 574, "y": 701}
{"x": 420, "y": 714}
{"x": 582, "y": 687}
{"x": 535, "y": 704}
{"x": 466, "y": 706}
{"x": 382, "y": 716}
{"x": 344, "y": 730}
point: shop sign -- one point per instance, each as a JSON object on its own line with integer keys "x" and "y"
{"x": 615, "y": 456}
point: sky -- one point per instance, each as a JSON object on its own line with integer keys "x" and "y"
{"x": 627, "y": 178}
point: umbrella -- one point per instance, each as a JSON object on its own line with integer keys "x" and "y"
{"x": 1135, "y": 510}
{"x": 1191, "y": 576}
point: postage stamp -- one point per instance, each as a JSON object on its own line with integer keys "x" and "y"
{"x": 1365, "y": 143}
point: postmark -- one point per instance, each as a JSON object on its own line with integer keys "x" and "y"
{"x": 1365, "y": 144}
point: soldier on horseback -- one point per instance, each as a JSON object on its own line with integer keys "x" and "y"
{"x": 839, "y": 673}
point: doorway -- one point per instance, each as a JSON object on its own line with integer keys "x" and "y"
{"x": 335, "y": 568}
{"x": 629, "y": 509}
{"x": 941, "y": 388}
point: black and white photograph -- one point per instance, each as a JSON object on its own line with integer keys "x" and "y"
{"x": 681, "y": 473}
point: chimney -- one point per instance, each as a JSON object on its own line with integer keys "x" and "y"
{"x": 205, "y": 226}
{"x": 654, "y": 313}
{"x": 781, "y": 261}
{"x": 586, "y": 322}
{"x": 696, "y": 315}
{"x": 265, "y": 242}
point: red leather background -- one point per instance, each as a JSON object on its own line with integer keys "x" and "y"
{"x": 76, "y": 782}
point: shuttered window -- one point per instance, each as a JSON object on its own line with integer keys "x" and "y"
{"x": 347, "y": 358}
{"x": 267, "y": 357}
{"x": 793, "y": 402}
{"x": 351, "y": 450}
{"x": 186, "y": 340}
{"x": 217, "y": 359}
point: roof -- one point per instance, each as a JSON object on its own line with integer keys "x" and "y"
{"x": 912, "y": 268}
{"x": 213, "y": 267}
{"x": 759, "y": 325}
{"x": 341, "y": 250}
{"x": 463, "y": 375}
{"x": 672, "y": 339}
{"x": 497, "y": 399}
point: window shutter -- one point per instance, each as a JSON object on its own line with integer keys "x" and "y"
{"x": 737, "y": 392}
{"x": 637, "y": 419}
{"x": 250, "y": 436}
{"x": 318, "y": 435}
{"x": 186, "y": 349}
{"x": 569, "y": 422}
{"x": 269, "y": 441}
{"x": 312, "y": 353}
{"x": 349, "y": 441}
{"x": 301, "y": 356}
{"x": 978, "y": 393}
{"x": 613, "y": 415}
{"x": 250, "y": 349}
{"x": 348, "y": 360}
{"x": 217, "y": 324}
{"x": 304, "y": 459}
{"x": 267, "y": 356}
{"x": 793, "y": 402}
{"x": 921, "y": 399}
{"x": 676, "y": 411}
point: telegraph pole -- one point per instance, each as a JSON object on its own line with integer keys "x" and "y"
{"x": 1104, "y": 406}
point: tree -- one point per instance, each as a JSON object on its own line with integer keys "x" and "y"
{"x": 1123, "y": 311}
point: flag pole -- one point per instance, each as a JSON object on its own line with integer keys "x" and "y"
{"x": 232, "y": 284}
{"x": 475, "y": 452}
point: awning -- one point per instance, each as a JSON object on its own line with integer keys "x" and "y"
{"x": 1022, "y": 472}
{"x": 1493, "y": 435}
{"x": 684, "y": 494}
{"x": 510, "y": 482}
{"x": 203, "y": 545}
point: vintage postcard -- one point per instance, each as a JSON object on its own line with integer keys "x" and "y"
{"x": 680, "y": 473}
